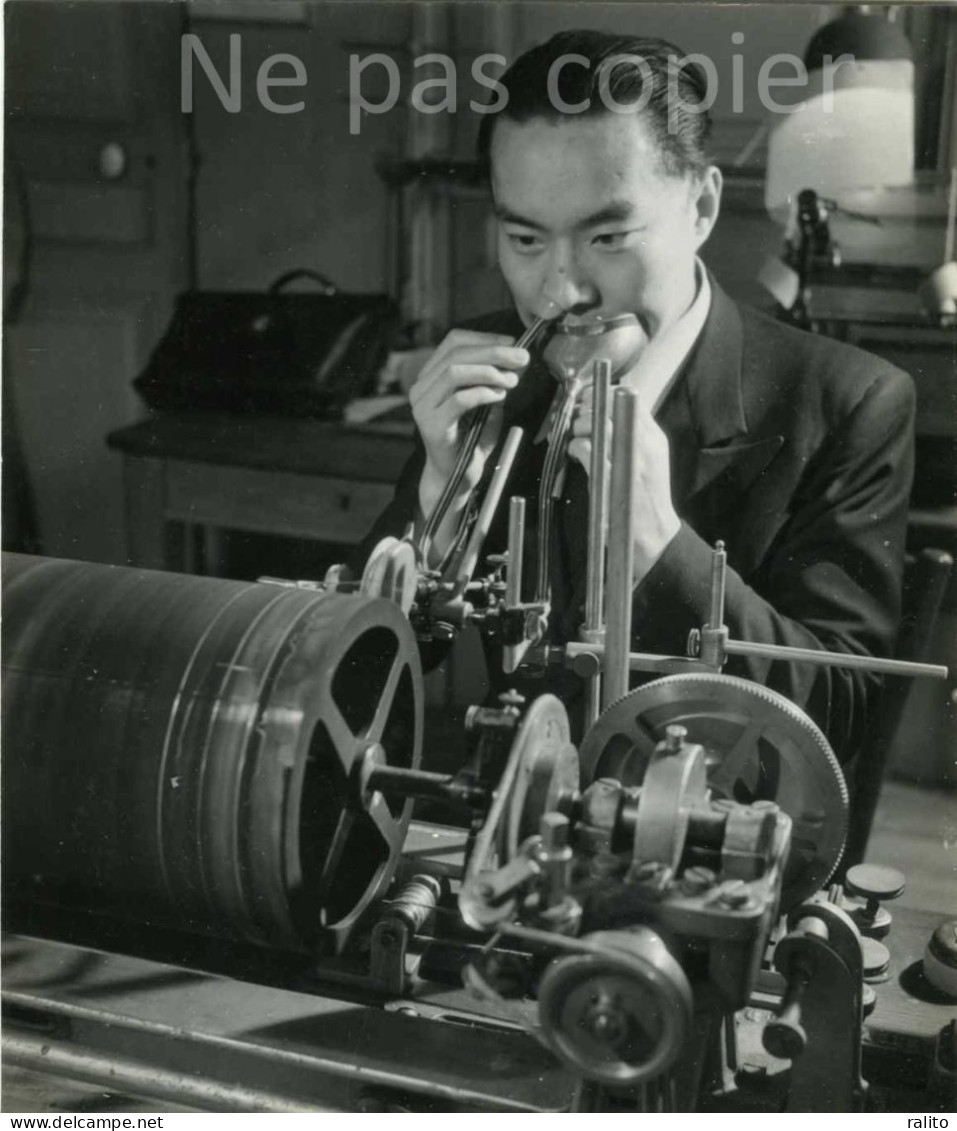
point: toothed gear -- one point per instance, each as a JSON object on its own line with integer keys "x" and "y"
{"x": 759, "y": 746}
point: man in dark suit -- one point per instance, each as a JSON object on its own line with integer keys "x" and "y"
{"x": 792, "y": 449}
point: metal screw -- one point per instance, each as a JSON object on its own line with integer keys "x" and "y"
{"x": 646, "y": 871}
{"x": 606, "y": 1025}
{"x": 734, "y": 893}
{"x": 675, "y": 735}
{"x": 697, "y": 879}
{"x": 553, "y": 829}
{"x": 511, "y": 698}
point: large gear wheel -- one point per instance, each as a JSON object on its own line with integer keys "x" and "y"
{"x": 758, "y": 745}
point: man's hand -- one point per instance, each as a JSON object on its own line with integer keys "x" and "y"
{"x": 467, "y": 370}
{"x": 656, "y": 521}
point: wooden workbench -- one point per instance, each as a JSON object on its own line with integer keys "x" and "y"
{"x": 268, "y": 475}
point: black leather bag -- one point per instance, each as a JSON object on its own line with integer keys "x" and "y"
{"x": 289, "y": 353}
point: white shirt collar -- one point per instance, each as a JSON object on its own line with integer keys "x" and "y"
{"x": 662, "y": 358}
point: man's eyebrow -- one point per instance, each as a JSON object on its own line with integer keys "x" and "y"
{"x": 507, "y": 216}
{"x": 612, "y": 212}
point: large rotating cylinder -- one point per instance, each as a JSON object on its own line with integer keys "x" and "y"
{"x": 177, "y": 750}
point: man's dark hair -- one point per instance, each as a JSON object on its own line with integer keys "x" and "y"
{"x": 679, "y": 128}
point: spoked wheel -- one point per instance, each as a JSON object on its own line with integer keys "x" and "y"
{"x": 178, "y": 749}
{"x": 359, "y": 684}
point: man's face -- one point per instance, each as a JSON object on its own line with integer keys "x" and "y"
{"x": 588, "y": 218}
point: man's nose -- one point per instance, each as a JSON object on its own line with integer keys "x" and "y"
{"x": 567, "y": 287}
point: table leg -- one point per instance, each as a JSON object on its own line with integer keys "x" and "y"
{"x": 214, "y": 551}
{"x": 151, "y": 541}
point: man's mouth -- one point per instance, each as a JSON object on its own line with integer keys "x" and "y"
{"x": 594, "y": 323}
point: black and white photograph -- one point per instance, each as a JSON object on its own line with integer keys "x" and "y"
{"x": 479, "y": 618}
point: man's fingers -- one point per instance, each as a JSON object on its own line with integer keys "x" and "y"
{"x": 463, "y": 374}
{"x": 582, "y": 426}
{"x": 459, "y": 376}
{"x": 464, "y": 400}
{"x": 503, "y": 357}
{"x": 456, "y": 339}
{"x": 494, "y": 354}
{"x": 580, "y": 449}
{"x": 492, "y": 429}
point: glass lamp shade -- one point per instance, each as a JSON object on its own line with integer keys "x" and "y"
{"x": 854, "y": 130}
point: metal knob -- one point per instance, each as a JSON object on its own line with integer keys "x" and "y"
{"x": 784, "y": 1036}
{"x": 876, "y": 884}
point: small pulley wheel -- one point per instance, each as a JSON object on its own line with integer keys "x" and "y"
{"x": 619, "y": 1012}
{"x": 547, "y": 771}
{"x": 391, "y": 573}
{"x": 758, "y": 747}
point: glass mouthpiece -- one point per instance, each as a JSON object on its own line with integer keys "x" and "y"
{"x": 576, "y": 345}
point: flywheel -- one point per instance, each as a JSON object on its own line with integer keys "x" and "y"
{"x": 758, "y": 746}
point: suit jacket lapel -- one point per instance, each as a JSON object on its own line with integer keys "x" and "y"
{"x": 714, "y": 456}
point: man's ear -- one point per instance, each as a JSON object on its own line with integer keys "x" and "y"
{"x": 706, "y": 202}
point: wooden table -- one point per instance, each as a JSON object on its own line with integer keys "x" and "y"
{"x": 206, "y": 472}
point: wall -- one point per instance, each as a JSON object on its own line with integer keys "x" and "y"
{"x": 275, "y": 192}
{"x": 280, "y": 191}
{"x": 103, "y": 245}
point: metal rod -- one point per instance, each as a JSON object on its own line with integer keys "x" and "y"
{"x": 621, "y": 547}
{"x": 410, "y": 783}
{"x": 719, "y": 564}
{"x": 835, "y": 659}
{"x": 512, "y": 654}
{"x": 598, "y": 497}
{"x": 118, "y": 1069}
{"x": 553, "y": 477}
{"x": 637, "y": 661}
{"x": 594, "y": 627}
{"x": 516, "y": 550}
{"x": 463, "y": 573}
